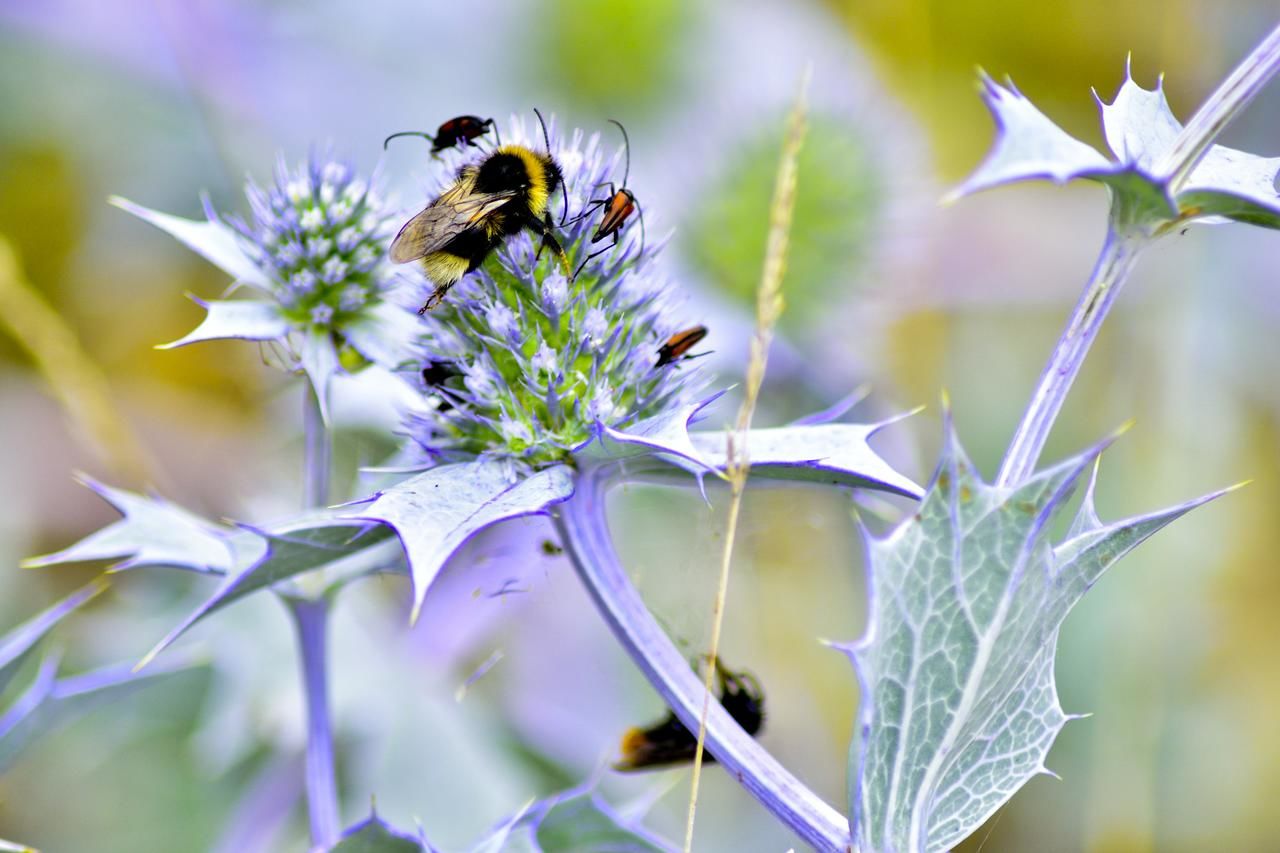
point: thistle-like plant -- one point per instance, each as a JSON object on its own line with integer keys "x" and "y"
{"x": 538, "y": 393}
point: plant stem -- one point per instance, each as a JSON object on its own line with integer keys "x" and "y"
{"x": 317, "y": 452}
{"x": 1114, "y": 264}
{"x": 768, "y": 309}
{"x": 1232, "y": 96}
{"x": 1121, "y": 250}
{"x": 310, "y": 617}
{"x": 584, "y": 533}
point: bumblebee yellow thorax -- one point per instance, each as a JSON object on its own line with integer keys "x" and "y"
{"x": 535, "y": 165}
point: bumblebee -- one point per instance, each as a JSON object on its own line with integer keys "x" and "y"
{"x": 500, "y": 196}
{"x": 669, "y": 742}
{"x": 618, "y": 207}
{"x": 460, "y": 130}
{"x": 679, "y": 344}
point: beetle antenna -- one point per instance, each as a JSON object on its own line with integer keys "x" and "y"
{"x": 421, "y": 133}
{"x": 497, "y": 133}
{"x": 627, "y": 141}
{"x": 640, "y": 213}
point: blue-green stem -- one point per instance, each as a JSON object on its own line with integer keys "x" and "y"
{"x": 1232, "y": 95}
{"x": 310, "y": 618}
{"x": 1114, "y": 264}
{"x": 316, "y": 452}
{"x": 584, "y": 530}
{"x": 1123, "y": 243}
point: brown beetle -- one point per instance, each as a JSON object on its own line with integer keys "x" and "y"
{"x": 460, "y": 130}
{"x": 679, "y": 344}
{"x": 618, "y": 207}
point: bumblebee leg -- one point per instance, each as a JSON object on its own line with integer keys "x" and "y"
{"x": 542, "y": 227}
{"x": 436, "y": 297}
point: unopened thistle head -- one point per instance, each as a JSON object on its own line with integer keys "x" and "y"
{"x": 523, "y": 363}
{"x": 319, "y": 232}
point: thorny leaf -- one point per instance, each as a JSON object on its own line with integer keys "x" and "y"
{"x": 17, "y": 645}
{"x": 50, "y": 701}
{"x": 1140, "y": 128}
{"x": 324, "y": 542}
{"x": 153, "y": 532}
{"x": 574, "y": 821}
{"x": 823, "y": 453}
{"x": 212, "y": 239}
{"x": 959, "y": 704}
{"x": 374, "y": 835}
{"x": 813, "y": 450}
{"x": 436, "y": 512}
{"x": 235, "y": 319}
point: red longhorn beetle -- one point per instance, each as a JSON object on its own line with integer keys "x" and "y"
{"x": 679, "y": 344}
{"x": 461, "y": 130}
{"x": 618, "y": 206}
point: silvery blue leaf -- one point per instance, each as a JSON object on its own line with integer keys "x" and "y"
{"x": 17, "y": 644}
{"x": 319, "y": 359}
{"x": 1028, "y": 145}
{"x": 815, "y": 451}
{"x": 374, "y": 835}
{"x": 498, "y": 839}
{"x": 1226, "y": 184}
{"x": 667, "y": 433}
{"x": 826, "y": 453}
{"x": 153, "y": 532}
{"x": 574, "y": 821}
{"x": 50, "y": 701}
{"x": 215, "y": 241}
{"x": 1140, "y": 128}
{"x": 341, "y": 546}
{"x": 239, "y": 319}
{"x": 434, "y": 513}
{"x": 584, "y": 822}
{"x": 384, "y": 334}
{"x": 959, "y": 706}
{"x": 836, "y": 410}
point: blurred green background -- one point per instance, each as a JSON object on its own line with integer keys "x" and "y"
{"x": 1175, "y": 653}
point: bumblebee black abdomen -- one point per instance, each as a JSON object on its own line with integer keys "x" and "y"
{"x": 474, "y": 244}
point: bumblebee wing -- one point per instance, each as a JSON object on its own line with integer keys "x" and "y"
{"x": 456, "y": 210}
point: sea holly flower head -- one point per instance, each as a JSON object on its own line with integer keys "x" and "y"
{"x": 1150, "y": 194}
{"x": 314, "y": 250}
{"x": 532, "y": 362}
{"x": 319, "y": 232}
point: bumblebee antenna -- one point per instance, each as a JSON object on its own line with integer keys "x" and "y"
{"x": 421, "y": 133}
{"x": 564, "y": 192}
{"x": 546, "y": 139}
{"x": 626, "y": 173}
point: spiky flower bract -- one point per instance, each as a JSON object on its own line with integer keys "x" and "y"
{"x": 315, "y": 251}
{"x": 526, "y": 363}
{"x": 319, "y": 234}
